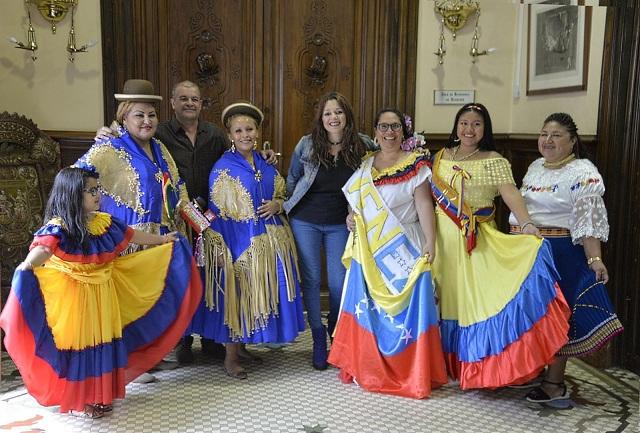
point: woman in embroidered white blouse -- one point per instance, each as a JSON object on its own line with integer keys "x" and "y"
{"x": 563, "y": 191}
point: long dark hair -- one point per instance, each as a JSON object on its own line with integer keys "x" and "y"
{"x": 566, "y": 121}
{"x": 487, "y": 142}
{"x": 406, "y": 133}
{"x": 353, "y": 148}
{"x": 66, "y": 202}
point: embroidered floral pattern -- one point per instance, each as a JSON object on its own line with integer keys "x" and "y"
{"x": 232, "y": 198}
{"x": 118, "y": 178}
{"x": 533, "y": 188}
{"x": 585, "y": 182}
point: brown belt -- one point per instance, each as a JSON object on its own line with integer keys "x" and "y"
{"x": 547, "y": 232}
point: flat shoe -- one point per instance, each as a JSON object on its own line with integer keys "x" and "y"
{"x": 538, "y": 395}
{"x": 145, "y": 378}
{"x": 90, "y": 412}
{"x": 106, "y": 409}
{"x": 237, "y": 374}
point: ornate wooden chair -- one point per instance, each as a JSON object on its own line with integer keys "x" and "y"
{"x": 29, "y": 161}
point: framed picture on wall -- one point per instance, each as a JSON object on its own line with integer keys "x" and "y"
{"x": 558, "y": 46}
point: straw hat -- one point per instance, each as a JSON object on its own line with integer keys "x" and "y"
{"x": 244, "y": 108}
{"x": 138, "y": 91}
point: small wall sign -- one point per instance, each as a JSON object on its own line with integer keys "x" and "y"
{"x": 453, "y": 97}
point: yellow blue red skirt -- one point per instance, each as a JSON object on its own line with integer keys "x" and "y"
{"x": 503, "y": 314}
{"x": 89, "y": 321}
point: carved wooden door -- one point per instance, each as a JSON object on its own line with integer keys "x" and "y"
{"x": 280, "y": 54}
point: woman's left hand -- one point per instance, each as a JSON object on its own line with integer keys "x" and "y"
{"x": 170, "y": 237}
{"x": 429, "y": 251}
{"x": 270, "y": 156}
{"x": 600, "y": 270}
{"x": 268, "y": 208}
{"x": 531, "y": 229}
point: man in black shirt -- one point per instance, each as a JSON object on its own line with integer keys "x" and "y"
{"x": 194, "y": 144}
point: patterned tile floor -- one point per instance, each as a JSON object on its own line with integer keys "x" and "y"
{"x": 286, "y": 395}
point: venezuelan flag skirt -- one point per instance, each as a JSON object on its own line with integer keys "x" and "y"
{"x": 88, "y": 322}
{"x": 503, "y": 314}
{"x": 387, "y": 338}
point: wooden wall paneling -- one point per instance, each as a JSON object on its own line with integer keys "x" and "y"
{"x": 118, "y": 54}
{"x": 618, "y": 159}
{"x": 131, "y": 41}
{"x": 73, "y": 144}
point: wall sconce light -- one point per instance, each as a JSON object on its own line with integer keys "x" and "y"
{"x": 442, "y": 48}
{"x": 31, "y": 44}
{"x": 456, "y": 12}
{"x": 454, "y": 15}
{"x": 71, "y": 41}
{"x": 474, "y": 52}
{"x": 53, "y": 11}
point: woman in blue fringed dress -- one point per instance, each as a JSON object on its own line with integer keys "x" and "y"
{"x": 252, "y": 287}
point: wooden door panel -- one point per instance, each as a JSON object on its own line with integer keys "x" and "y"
{"x": 215, "y": 44}
{"x": 314, "y": 53}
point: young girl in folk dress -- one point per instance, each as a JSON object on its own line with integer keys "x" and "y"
{"x": 82, "y": 321}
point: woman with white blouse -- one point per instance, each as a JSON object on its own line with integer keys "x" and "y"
{"x": 563, "y": 191}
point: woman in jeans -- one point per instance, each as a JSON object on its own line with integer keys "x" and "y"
{"x": 321, "y": 164}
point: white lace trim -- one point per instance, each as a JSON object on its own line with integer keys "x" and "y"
{"x": 589, "y": 219}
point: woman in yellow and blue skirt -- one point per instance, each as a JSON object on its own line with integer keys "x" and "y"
{"x": 503, "y": 314}
{"x": 82, "y": 321}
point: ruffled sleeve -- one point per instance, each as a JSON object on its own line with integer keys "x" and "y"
{"x": 423, "y": 175}
{"x": 589, "y": 214}
{"x": 498, "y": 170}
{"x": 49, "y": 236}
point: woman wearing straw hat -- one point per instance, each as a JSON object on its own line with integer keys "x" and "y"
{"x": 258, "y": 299}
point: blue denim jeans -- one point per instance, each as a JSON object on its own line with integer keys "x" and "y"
{"x": 310, "y": 239}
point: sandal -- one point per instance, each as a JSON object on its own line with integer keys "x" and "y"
{"x": 237, "y": 372}
{"x": 104, "y": 408}
{"x": 539, "y": 395}
{"x": 91, "y": 411}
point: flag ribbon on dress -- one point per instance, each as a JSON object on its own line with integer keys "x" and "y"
{"x": 453, "y": 205}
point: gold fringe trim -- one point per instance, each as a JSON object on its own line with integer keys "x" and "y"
{"x": 214, "y": 247}
{"x": 253, "y": 295}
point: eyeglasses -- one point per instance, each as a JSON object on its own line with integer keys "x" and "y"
{"x": 94, "y": 191}
{"x": 384, "y": 127}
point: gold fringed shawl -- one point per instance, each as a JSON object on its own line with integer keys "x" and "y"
{"x": 253, "y": 295}
{"x": 256, "y": 294}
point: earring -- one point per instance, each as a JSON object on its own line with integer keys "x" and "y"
{"x": 233, "y": 146}
{"x": 255, "y": 144}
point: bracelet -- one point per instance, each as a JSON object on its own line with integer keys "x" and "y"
{"x": 593, "y": 259}
{"x": 526, "y": 224}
